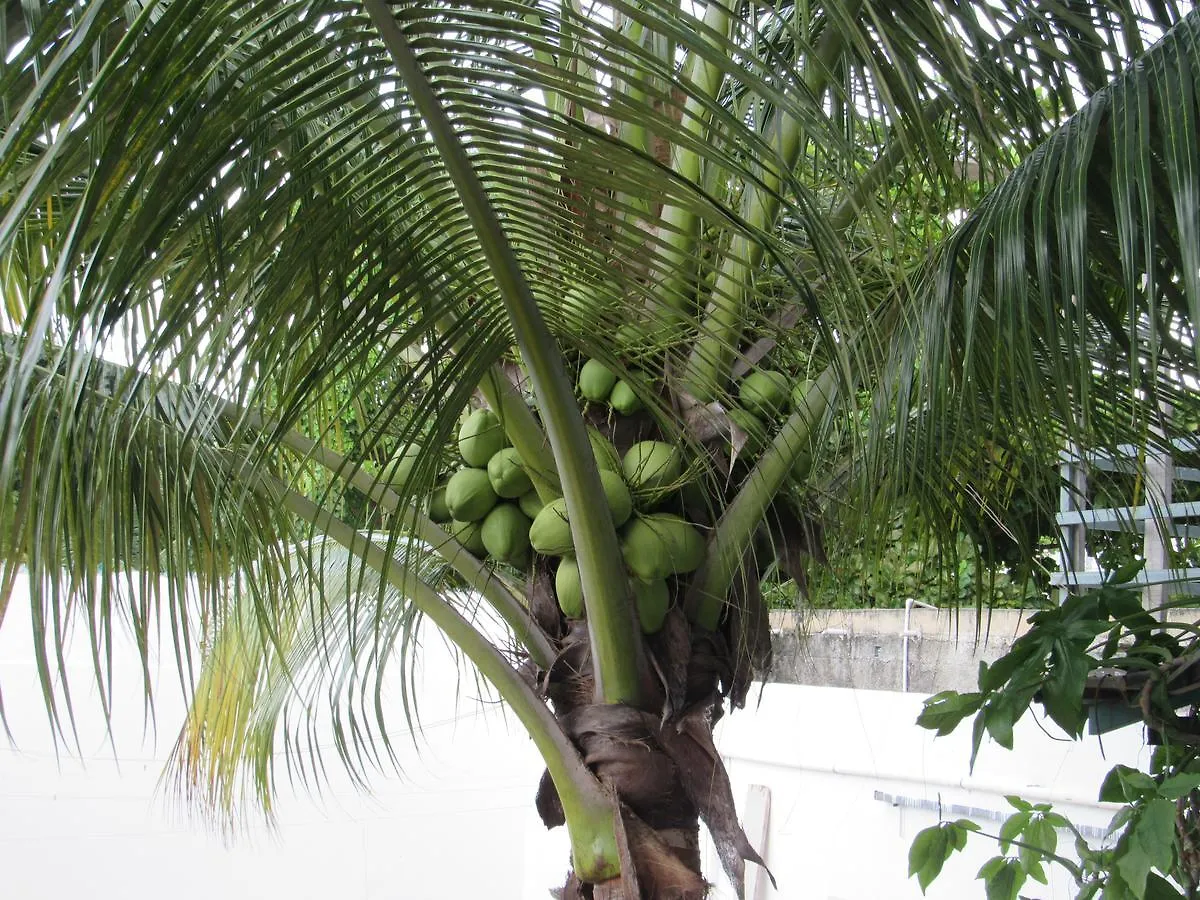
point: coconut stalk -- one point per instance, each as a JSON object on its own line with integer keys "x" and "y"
{"x": 735, "y": 529}
{"x": 524, "y": 432}
{"x": 712, "y": 354}
{"x": 679, "y": 224}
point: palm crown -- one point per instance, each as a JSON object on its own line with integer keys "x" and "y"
{"x": 252, "y": 251}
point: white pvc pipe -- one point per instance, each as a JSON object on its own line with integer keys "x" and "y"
{"x": 1033, "y": 793}
{"x": 907, "y": 633}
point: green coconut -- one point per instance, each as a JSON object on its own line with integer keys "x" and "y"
{"x": 438, "y": 510}
{"x": 653, "y": 599}
{"x": 397, "y": 470}
{"x": 799, "y": 391}
{"x": 651, "y": 465}
{"x": 584, "y": 306}
{"x": 765, "y": 393}
{"x": 645, "y": 551}
{"x": 469, "y": 534}
{"x": 633, "y": 339}
{"x": 480, "y": 438}
{"x": 569, "y": 588}
{"x": 754, "y": 429}
{"x": 616, "y": 493}
{"x": 624, "y": 400}
{"x": 530, "y": 503}
{"x": 660, "y": 545}
{"x": 469, "y": 495}
{"x": 505, "y": 533}
{"x": 596, "y": 381}
{"x": 550, "y": 534}
{"x": 685, "y": 543}
{"x": 606, "y": 454}
{"x": 507, "y": 473}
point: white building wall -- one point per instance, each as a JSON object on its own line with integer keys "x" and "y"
{"x": 459, "y": 822}
{"x": 848, "y": 773}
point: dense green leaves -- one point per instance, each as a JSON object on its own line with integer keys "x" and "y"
{"x": 1147, "y": 850}
{"x": 1050, "y": 664}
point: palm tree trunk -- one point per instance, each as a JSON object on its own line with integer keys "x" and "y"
{"x": 660, "y": 762}
{"x": 657, "y": 757}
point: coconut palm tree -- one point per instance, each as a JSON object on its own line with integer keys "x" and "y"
{"x": 260, "y": 259}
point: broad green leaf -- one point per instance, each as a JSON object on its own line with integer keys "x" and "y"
{"x": 1120, "y": 819}
{"x": 1000, "y": 716}
{"x": 1126, "y": 606}
{"x": 1125, "y": 574}
{"x": 921, "y": 848}
{"x": 1158, "y": 888}
{"x": 1040, "y": 834}
{"x": 1034, "y": 869}
{"x": 1056, "y": 820}
{"x": 1012, "y": 828}
{"x": 1179, "y": 785}
{"x": 1004, "y": 881}
{"x": 993, "y": 677}
{"x": 960, "y": 830}
{"x": 934, "y": 852}
{"x": 991, "y": 867}
{"x": 944, "y": 711}
{"x": 1062, "y": 691}
{"x": 978, "y": 729}
{"x": 1133, "y": 865}
{"x": 1154, "y": 831}
{"x": 1123, "y": 784}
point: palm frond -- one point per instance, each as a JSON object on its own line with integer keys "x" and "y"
{"x": 136, "y": 524}
{"x": 1061, "y": 312}
{"x": 265, "y": 703}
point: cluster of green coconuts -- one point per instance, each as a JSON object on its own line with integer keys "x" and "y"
{"x": 490, "y": 507}
{"x": 764, "y": 397}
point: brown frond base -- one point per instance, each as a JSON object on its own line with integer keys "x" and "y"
{"x": 662, "y": 766}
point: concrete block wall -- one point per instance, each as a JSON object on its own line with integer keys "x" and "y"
{"x": 921, "y": 650}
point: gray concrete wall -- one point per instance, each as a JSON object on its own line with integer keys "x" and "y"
{"x": 874, "y": 648}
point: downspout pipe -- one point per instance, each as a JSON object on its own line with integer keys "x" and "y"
{"x": 906, "y": 635}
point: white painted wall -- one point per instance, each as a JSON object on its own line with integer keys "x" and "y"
{"x": 460, "y": 823}
{"x": 827, "y": 754}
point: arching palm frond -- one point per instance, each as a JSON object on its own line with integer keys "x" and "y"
{"x": 137, "y": 525}
{"x": 1061, "y": 311}
{"x": 263, "y": 703}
